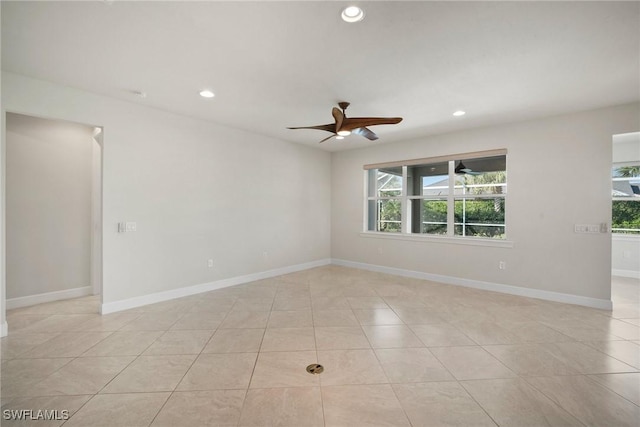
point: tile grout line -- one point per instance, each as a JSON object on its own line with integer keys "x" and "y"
{"x": 138, "y": 357}
{"x": 558, "y": 404}
{"x": 92, "y": 396}
{"x": 315, "y": 341}
{"x": 636, "y": 368}
{"x": 375, "y": 354}
{"x": 72, "y": 358}
{"x": 171, "y": 393}
{"x": 255, "y": 363}
{"x": 460, "y": 383}
{"x": 455, "y": 379}
{"x": 611, "y": 390}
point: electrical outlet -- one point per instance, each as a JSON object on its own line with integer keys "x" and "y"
{"x": 210, "y": 263}
{"x": 131, "y": 226}
{"x": 502, "y": 265}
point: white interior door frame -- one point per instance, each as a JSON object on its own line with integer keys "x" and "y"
{"x": 96, "y": 212}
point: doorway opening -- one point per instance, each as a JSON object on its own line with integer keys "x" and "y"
{"x": 625, "y": 224}
{"x": 53, "y": 218}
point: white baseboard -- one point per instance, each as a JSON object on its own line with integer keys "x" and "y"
{"x": 626, "y": 273}
{"x": 488, "y": 286}
{"x": 140, "y": 301}
{"x": 48, "y": 297}
{"x": 4, "y": 329}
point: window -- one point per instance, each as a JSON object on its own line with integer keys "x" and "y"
{"x": 625, "y": 193}
{"x": 462, "y": 195}
{"x": 385, "y": 191}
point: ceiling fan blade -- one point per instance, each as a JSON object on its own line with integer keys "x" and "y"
{"x": 328, "y": 127}
{"x": 343, "y": 125}
{"x": 461, "y": 168}
{"x": 339, "y": 117}
{"x": 327, "y": 138}
{"x": 367, "y": 133}
{"x": 351, "y": 123}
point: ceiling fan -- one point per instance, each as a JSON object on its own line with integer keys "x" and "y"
{"x": 344, "y": 125}
{"x": 462, "y": 169}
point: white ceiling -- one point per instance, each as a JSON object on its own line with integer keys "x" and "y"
{"x": 279, "y": 64}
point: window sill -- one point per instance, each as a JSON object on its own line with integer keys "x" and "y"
{"x": 470, "y": 241}
{"x": 625, "y": 237}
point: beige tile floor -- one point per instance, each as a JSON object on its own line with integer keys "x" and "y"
{"x": 396, "y": 352}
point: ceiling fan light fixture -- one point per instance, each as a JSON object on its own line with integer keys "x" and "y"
{"x": 207, "y": 93}
{"x": 344, "y": 133}
{"x": 352, "y": 14}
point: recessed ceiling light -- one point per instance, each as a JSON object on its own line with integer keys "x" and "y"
{"x": 344, "y": 132}
{"x": 459, "y": 113}
{"x": 339, "y": 137}
{"x": 352, "y": 14}
{"x": 207, "y": 94}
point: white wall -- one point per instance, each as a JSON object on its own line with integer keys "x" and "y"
{"x": 196, "y": 190}
{"x": 625, "y": 255}
{"x": 48, "y": 205}
{"x": 625, "y": 249}
{"x": 558, "y": 176}
{"x": 3, "y": 314}
{"x": 626, "y": 147}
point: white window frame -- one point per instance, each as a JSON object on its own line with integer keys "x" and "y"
{"x": 451, "y": 197}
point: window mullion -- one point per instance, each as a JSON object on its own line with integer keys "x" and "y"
{"x": 365, "y": 209}
{"x": 450, "y": 199}
{"x": 405, "y": 205}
